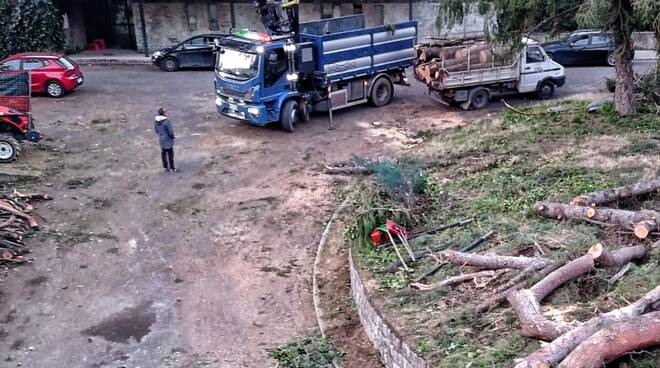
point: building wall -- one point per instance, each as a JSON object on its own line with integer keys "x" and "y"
{"x": 167, "y": 22}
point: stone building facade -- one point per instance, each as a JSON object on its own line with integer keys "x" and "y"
{"x": 167, "y": 22}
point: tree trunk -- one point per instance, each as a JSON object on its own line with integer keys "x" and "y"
{"x": 615, "y": 340}
{"x": 624, "y": 94}
{"x": 616, "y": 194}
{"x": 554, "y": 352}
{"x": 643, "y": 222}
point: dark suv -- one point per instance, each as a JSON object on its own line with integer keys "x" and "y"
{"x": 582, "y": 47}
{"x": 195, "y": 52}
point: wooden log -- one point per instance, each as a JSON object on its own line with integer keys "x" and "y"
{"x": 553, "y": 353}
{"x": 347, "y": 170}
{"x": 527, "y": 303}
{"x": 643, "y": 222}
{"x": 617, "y": 194}
{"x": 485, "y": 56}
{"x": 612, "y": 342}
{"x": 472, "y": 50}
{"x": 491, "y": 261}
{"x": 619, "y": 257}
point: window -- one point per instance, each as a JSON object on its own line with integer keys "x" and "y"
{"x": 191, "y": 14}
{"x": 33, "y": 64}
{"x": 11, "y": 65}
{"x": 580, "y": 41}
{"x": 276, "y": 66}
{"x": 534, "y": 55}
{"x": 214, "y": 23}
{"x": 600, "y": 40}
{"x": 195, "y": 43}
{"x": 67, "y": 63}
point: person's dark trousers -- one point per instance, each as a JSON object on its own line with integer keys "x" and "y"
{"x": 167, "y": 154}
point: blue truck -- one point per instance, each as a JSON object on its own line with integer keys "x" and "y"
{"x": 327, "y": 65}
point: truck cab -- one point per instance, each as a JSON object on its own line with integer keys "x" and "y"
{"x": 251, "y": 77}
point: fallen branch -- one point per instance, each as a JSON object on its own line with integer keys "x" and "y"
{"x": 617, "y": 339}
{"x": 439, "y": 228}
{"x": 519, "y": 111}
{"x": 617, "y": 194}
{"x": 392, "y": 267}
{"x": 617, "y": 259}
{"x": 642, "y": 222}
{"x": 455, "y": 280}
{"x": 347, "y": 170}
{"x": 619, "y": 275}
{"x": 527, "y": 303}
{"x": 491, "y": 261}
{"x": 553, "y": 353}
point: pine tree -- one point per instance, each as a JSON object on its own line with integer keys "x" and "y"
{"x": 36, "y": 25}
{"x": 5, "y": 13}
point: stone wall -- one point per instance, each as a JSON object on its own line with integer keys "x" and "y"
{"x": 394, "y": 351}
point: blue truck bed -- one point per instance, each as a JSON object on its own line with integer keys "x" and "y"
{"x": 345, "y": 49}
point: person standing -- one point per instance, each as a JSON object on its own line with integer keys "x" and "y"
{"x": 163, "y": 128}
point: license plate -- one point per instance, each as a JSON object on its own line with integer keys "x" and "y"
{"x": 233, "y": 107}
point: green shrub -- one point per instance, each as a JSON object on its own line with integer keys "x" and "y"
{"x": 309, "y": 352}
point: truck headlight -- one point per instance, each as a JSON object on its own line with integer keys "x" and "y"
{"x": 290, "y": 47}
{"x": 292, "y": 77}
{"x": 157, "y": 54}
{"x": 253, "y": 110}
{"x": 218, "y": 101}
{"x": 260, "y": 49}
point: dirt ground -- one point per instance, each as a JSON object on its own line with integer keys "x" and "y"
{"x": 211, "y": 266}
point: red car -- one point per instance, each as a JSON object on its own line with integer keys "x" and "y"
{"x": 52, "y": 74}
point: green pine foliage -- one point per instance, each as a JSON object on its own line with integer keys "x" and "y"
{"x": 35, "y": 25}
{"x": 5, "y": 13}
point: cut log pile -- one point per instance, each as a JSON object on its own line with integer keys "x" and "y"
{"x": 588, "y": 208}
{"x": 432, "y": 61}
{"x": 570, "y": 344}
{"x": 16, "y": 220}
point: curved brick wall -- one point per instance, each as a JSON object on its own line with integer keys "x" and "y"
{"x": 394, "y": 352}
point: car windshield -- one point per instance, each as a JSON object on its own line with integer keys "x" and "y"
{"x": 237, "y": 64}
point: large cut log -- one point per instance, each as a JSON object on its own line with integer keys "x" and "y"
{"x": 473, "y": 51}
{"x": 643, "y": 222}
{"x": 491, "y": 261}
{"x": 527, "y": 302}
{"x": 435, "y": 53}
{"x": 553, "y": 353}
{"x": 617, "y": 194}
{"x": 619, "y": 257}
{"x": 615, "y": 340}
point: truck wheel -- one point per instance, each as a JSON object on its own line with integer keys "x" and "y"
{"x": 289, "y": 116}
{"x": 479, "y": 98}
{"x": 10, "y": 148}
{"x": 169, "y": 64}
{"x": 381, "y": 92}
{"x": 546, "y": 90}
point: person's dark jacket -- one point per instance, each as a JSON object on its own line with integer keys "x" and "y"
{"x": 163, "y": 128}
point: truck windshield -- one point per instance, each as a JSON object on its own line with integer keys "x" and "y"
{"x": 237, "y": 64}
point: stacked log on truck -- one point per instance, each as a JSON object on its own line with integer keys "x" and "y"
{"x": 431, "y": 60}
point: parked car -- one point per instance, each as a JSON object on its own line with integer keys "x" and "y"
{"x": 195, "y": 52}
{"x": 582, "y": 48}
{"x": 50, "y": 73}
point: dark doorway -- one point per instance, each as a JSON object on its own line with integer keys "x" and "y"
{"x": 108, "y": 20}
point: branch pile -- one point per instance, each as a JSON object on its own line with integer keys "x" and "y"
{"x": 587, "y": 208}
{"x": 16, "y": 220}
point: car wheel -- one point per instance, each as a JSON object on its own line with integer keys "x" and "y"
{"x": 10, "y": 148}
{"x": 479, "y": 98}
{"x": 169, "y": 64}
{"x": 610, "y": 59}
{"x": 54, "y": 89}
{"x": 289, "y": 116}
{"x": 381, "y": 92}
{"x": 546, "y": 90}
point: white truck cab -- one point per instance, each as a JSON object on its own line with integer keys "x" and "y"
{"x": 539, "y": 73}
